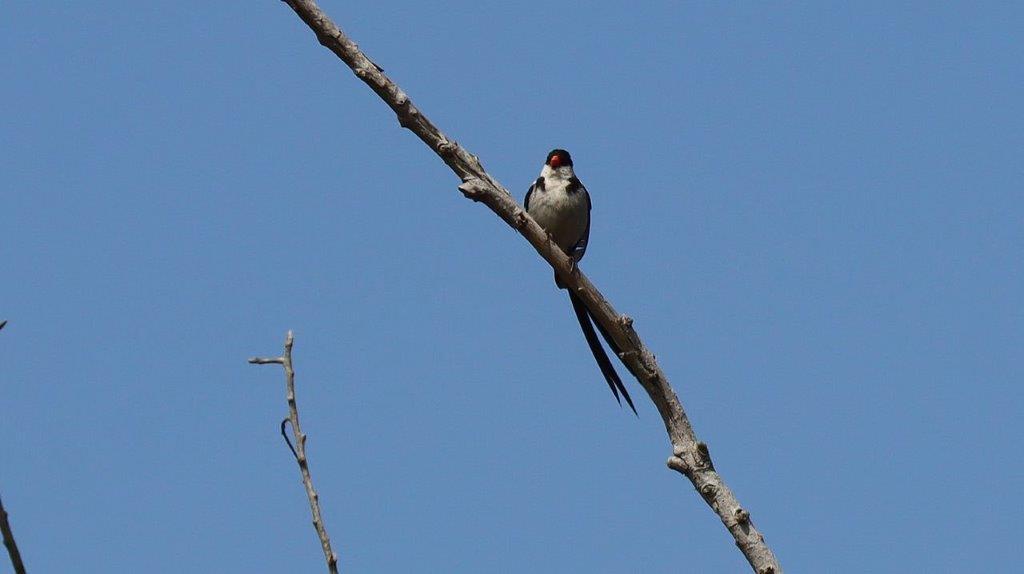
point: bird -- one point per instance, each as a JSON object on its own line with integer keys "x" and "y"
{"x": 560, "y": 204}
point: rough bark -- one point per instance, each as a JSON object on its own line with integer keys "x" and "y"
{"x": 689, "y": 456}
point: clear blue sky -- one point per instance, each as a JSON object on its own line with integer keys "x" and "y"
{"x": 814, "y": 214}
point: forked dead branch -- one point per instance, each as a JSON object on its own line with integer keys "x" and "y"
{"x": 689, "y": 456}
{"x": 299, "y": 449}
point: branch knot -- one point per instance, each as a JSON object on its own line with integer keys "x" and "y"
{"x": 708, "y": 491}
{"x": 741, "y": 514}
{"x": 703, "y": 456}
{"x": 473, "y": 188}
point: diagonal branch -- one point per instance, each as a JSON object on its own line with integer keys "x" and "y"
{"x": 5, "y": 527}
{"x": 8, "y": 535}
{"x": 689, "y": 456}
{"x": 299, "y": 450}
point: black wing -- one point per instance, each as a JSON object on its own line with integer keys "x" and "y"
{"x": 529, "y": 192}
{"x": 580, "y": 249}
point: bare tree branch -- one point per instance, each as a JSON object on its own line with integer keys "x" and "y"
{"x": 689, "y": 456}
{"x": 5, "y": 528}
{"x": 299, "y": 450}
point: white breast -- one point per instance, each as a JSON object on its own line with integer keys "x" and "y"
{"x": 564, "y": 215}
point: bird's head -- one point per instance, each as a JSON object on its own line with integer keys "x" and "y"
{"x": 558, "y": 165}
{"x": 558, "y": 158}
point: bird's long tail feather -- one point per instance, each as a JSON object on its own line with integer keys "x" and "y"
{"x": 607, "y": 369}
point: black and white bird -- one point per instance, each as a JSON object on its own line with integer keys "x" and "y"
{"x": 561, "y": 205}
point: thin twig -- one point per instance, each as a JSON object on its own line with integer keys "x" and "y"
{"x": 5, "y": 528}
{"x": 299, "y": 450}
{"x": 689, "y": 456}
